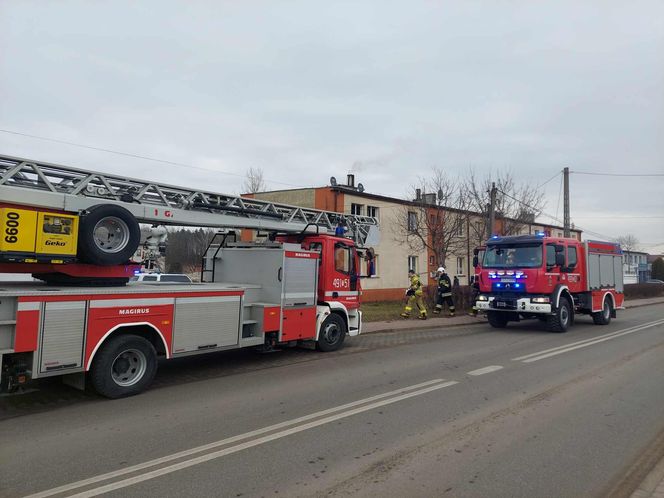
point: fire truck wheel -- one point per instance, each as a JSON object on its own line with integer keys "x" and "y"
{"x": 561, "y": 318}
{"x": 125, "y": 365}
{"x": 108, "y": 235}
{"x": 603, "y": 317}
{"x": 332, "y": 333}
{"x": 497, "y": 319}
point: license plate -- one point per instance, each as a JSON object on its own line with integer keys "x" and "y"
{"x": 502, "y": 303}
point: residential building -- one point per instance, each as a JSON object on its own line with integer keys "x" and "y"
{"x": 393, "y": 255}
{"x": 636, "y": 268}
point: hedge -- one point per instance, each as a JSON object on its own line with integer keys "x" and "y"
{"x": 639, "y": 291}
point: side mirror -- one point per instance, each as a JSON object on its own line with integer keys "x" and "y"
{"x": 476, "y": 262}
{"x": 560, "y": 259}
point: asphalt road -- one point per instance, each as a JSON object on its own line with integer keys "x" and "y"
{"x": 469, "y": 411}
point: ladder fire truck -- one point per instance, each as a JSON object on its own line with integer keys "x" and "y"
{"x": 76, "y": 230}
{"x": 550, "y": 278}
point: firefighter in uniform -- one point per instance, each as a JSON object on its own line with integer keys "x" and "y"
{"x": 444, "y": 292}
{"x": 414, "y": 293}
{"x": 474, "y": 294}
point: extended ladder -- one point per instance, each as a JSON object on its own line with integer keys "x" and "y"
{"x": 52, "y": 186}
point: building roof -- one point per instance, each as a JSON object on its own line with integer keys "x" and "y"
{"x": 355, "y": 192}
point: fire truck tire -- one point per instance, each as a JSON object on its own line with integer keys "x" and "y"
{"x": 332, "y": 333}
{"x": 108, "y": 235}
{"x": 125, "y": 365}
{"x": 603, "y": 317}
{"x": 562, "y": 318}
{"x": 497, "y": 319}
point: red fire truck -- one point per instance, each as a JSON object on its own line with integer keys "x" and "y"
{"x": 299, "y": 284}
{"x": 535, "y": 276}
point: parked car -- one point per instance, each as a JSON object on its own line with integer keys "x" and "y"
{"x": 178, "y": 278}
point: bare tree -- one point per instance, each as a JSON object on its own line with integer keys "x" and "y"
{"x": 436, "y": 219}
{"x": 517, "y": 204}
{"x": 254, "y": 181}
{"x": 628, "y": 242}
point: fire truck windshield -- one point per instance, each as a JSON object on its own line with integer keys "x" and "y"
{"x": 513, "y": 256}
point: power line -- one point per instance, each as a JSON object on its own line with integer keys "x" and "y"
{"x": 560, "y": 192}
{"x": 541, "y": 185}
{"x": 615, "y": 174}
{"x": 617, "y": 217}
{"x": 138, "y": 156}
{"x": 555, "y": 218}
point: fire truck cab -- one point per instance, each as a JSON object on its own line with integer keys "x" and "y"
{"x": 550, "y": 278}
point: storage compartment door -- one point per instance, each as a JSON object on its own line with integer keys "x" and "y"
{"x": 606, "y": 271}
{"x": 617, "y": 271}
{"x": 63, "y": 332}
{"x": 593, "y": 272}
{"x": 206, "y": 323}
{"x": 299, "y": 282}
{"x": 298, "y": 323}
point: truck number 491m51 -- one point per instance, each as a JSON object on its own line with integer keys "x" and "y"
{"x": 340, "y": 283}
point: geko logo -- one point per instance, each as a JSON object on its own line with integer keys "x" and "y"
{"x": 54, "y": 243}
{"x": 134, "y": 311}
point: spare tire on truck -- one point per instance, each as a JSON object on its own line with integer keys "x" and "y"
{"x": 107, "y": 235}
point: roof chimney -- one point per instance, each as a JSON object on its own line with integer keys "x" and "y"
{"x": 351, "y": 180}
{"x": 418, "y": 194}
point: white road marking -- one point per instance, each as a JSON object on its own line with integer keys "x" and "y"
{"x": 345, "y": 410}
{"x": 485, "y": 370}
{"x": 592, "y": 339}
{"x": 591, "y": 343}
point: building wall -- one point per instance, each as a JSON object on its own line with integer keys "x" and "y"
{"x": 391, "y": 278}
{"x": 305, "y": 197}
{"x": 329, "y": 200}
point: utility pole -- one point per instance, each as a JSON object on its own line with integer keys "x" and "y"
{"x": 566, "y": 221}
{"x": 492, "y": 209}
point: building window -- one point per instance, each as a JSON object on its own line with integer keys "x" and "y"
{"x": 372, "y": 266}
{"x": 459, "y": 268}
{"x": 356, "y": 209}
{"x": 431, "y": 260}
{"x": 412, "y": 221}
{"x": 479, "y": 229}
{"x": 412, "y": 263}
{"x": 372, "y": 211}
{"x": 459, "y": 229}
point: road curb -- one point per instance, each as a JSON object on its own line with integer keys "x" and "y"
{"x": 424, "y": 327}
{"x": 642, "y": 305}
{"x": 428, "y": 326}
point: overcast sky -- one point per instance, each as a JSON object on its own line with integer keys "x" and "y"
{"x": 307, "y": 90}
